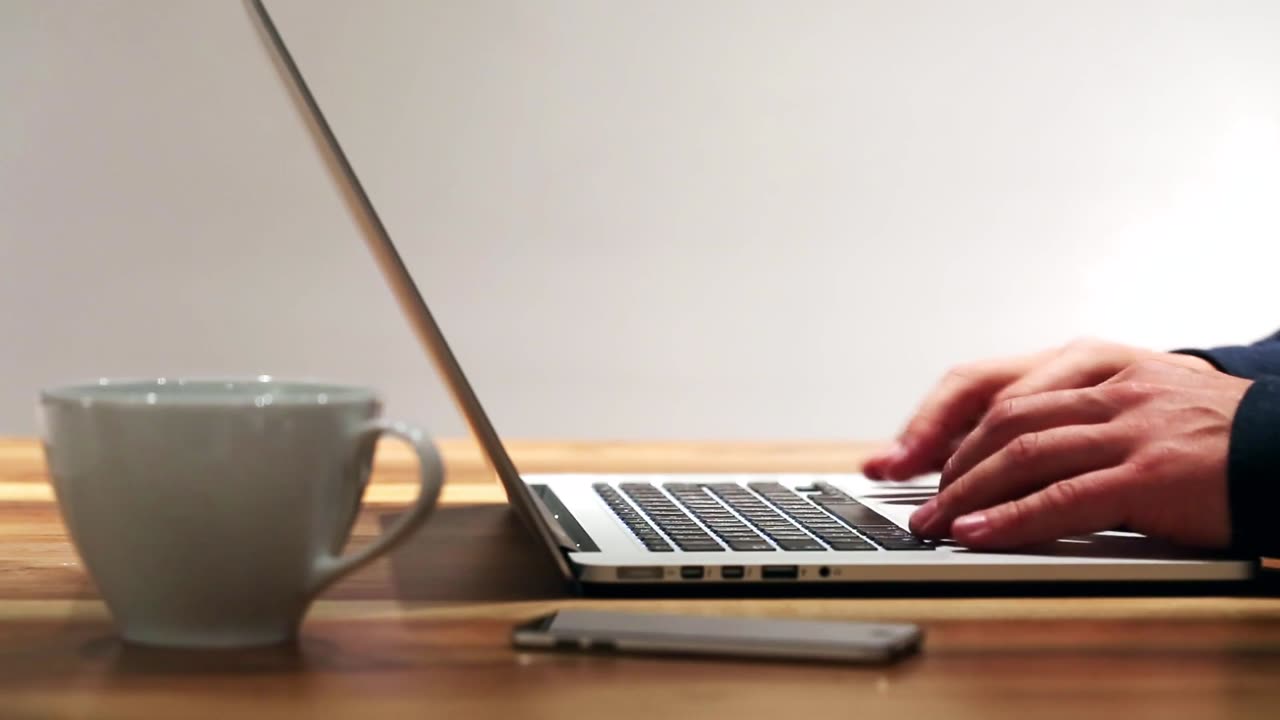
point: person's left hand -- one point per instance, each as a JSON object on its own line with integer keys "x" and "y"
{"x": 1147, "y": 450}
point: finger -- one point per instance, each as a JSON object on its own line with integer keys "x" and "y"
{"x": 1078, "y": 366}
{"x": 949, "y": 411}
{"x": 1078, "y": 506}
{"x": 874, "y": 466}
{"x": 1029, "y": 463}
{"x": 1022, "y": 415}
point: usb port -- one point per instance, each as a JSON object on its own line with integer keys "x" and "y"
{"x": 779, "y": 572}
{"x": 692, "y": 572}
{"x": 732, "y": 572}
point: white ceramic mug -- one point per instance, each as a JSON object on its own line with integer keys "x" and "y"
{"x": 211, "y": 513}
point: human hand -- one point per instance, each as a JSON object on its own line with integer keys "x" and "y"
{"x": 967, "y": 392}
{"x": 1146, "y": 450}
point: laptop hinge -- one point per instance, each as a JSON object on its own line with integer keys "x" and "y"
{"x": 569, "y": 535}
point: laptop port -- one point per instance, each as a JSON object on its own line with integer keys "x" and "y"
{"x": 779, "y": 572}
{"x": 732, "y": 572}
{"x": 692, "y": 572}
{"x": 639, "y": 573}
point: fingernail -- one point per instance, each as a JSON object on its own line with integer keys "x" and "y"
{"x": 922, "y": 519}
{"x": 948, "y": 470}
{"x": 973, "y": 526}
{"x": 893, "y": 458}
{"x": 873, "y": 467}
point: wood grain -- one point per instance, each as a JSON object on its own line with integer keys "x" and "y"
{"x": 423, "y": 633}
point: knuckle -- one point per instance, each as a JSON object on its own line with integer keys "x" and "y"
{"x": 949, "y": 467}
{"x": 1128, "y": 392}
{"x": 1100, "y": 400}
{"x": 1086, "y": 345}
{"x": 1147, "y": 367}
{"x": 977, "y": 372}
{"x": 1063, "y": 494}
{"x": 1025, "y": 447}
{"x": 932, "y": 424}
{"x": 1146, "y": 390}
{"x": 1153, "y": 459}
{"x": 1132, "y": 432}
{"x": 1010, "y": 392}
{"x": 1004, "y": 412}
{"x": 1127, "y": 489}
{"x": 1013, "y": 514}
{"x": 963, "y": 373}
{"x": 1111, "y": 394}
{"x": 1127, "y": 373}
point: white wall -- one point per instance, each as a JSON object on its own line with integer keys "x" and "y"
{"x": 712, "y": 218}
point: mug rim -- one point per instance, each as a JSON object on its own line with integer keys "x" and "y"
{"x": 246, "y": 390}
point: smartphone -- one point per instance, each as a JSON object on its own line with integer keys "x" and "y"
{"x": 813, "y": 640}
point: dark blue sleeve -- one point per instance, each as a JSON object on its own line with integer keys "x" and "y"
{"x": 1253, "y": 460}
{"x": 1253, "y": 470}
{"x": 1246, "y": 361}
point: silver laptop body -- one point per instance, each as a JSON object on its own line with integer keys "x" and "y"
{"x": 735, "y": 529}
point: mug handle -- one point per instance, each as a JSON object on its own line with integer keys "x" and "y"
{"x": 330, "y": 567}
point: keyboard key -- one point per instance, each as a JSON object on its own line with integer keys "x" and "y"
{"x": 844, "y": 533}
{"x": 888, "y": 534}
{"x": 793, "y": 520}
{"x": 904, "y": 545}
{"x": 881, "y": 537}
{"x": 824, "y": 530}
{"x": 800, "y": 544}
{"x": 851, "y": 544}
{"x": 700, "y": 546}
{"x": 827, "y": 488}
{"x": 770, "y": 510}
{"x": 632, "y": 520}
{"x": 694, "y": 501}
{"x": 855, "y": 513}
{"x": 759, "y": 545}
{"x": 837, "y": 534}
{"x": 764, "y": 517}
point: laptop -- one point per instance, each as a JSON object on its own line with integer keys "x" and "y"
{"x": 727, "y": 531}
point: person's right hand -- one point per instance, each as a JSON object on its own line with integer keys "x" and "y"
{"x": 967, "y": 392}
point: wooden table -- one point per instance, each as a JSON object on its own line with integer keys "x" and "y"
{"x": 417, "y": 635}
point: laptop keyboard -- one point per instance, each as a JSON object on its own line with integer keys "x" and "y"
{"x": 756, "y": 517}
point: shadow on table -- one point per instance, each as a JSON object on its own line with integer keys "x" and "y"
{"x": 123, "y": 659}
{"x": 472, "y": 553}
{"x": 475, "y": 553}
{"x": 87, "y": 655}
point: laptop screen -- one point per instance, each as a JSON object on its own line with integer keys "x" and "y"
{"x": 406, "y": 292}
